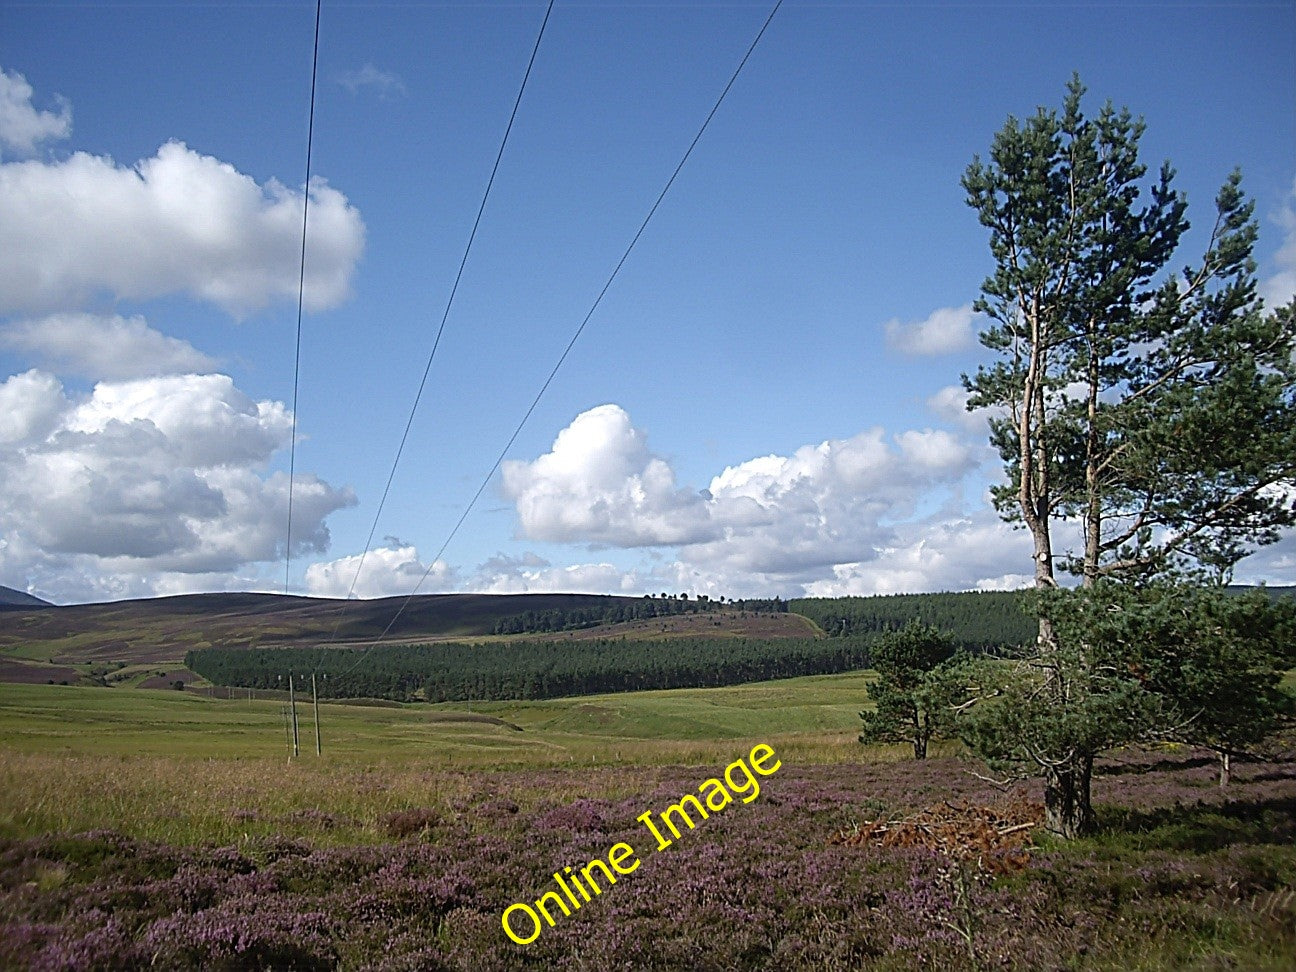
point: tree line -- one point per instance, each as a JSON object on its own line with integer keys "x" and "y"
{"x": 977, "y": 620}
{"x": 647, "y": 607}
{"x": 521, "y": 669}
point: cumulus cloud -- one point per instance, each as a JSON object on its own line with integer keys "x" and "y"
{"x": 950, "y": 405}
{"x": 22, "y": 126}
{"x": 397, "y": 570}
{"x": 600, "y": 484}
{"x": 176, "y": 223}
{"x": 369, "y": 78}
{"x": 31, "y": 405}
{"x": 779, "y": 519}
{"x": 532, "y": 574}
{"x": 787, "y": 519}
{"x": 146, "y": 477}
{"x": 385, "y": 572}
{"x": 112, "y": 347}
{"x": 945, "y": 330}
{"x": 1280, "y": 287}
{"x": 157, "y": 481}
{"x": 937, "y": 554}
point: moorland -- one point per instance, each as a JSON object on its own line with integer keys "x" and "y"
{"x": 149, "y": 827}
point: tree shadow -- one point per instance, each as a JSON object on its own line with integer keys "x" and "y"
{"x": 1140, "y": 763}
{"x": 1167, "y": 764}
{"x": 1204, "y": 827}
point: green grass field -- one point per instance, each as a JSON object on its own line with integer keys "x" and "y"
{"x": 94, "y": 721}
{"x": 177, "y": 766}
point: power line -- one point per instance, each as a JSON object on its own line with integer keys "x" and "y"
{"x": 301, "y": 291}
{"x": 454, "y": 289}
{"x": 580, "y": 329}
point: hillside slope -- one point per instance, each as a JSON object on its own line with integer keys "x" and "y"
{"x": 10, "y": 599}
{"x": 161, "y": 630}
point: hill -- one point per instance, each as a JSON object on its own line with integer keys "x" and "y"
{"x": 158, "y": 631}
{"x": 10, "y": 599}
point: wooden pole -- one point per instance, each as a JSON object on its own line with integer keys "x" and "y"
{"x": 315, "y": 702}
{"x": 283, "y": 710}
{"x": 292, "y": 702}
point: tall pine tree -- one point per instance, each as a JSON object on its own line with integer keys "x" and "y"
{"x": 1152, "y": 412}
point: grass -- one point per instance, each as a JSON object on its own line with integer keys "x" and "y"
{"x": 179, "y": 767}
{"x": 117, "y": 722}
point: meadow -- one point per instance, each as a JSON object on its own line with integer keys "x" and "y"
{"x": 161, "y": 828}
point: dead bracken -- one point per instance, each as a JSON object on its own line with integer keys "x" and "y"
{"x": 993, "y": 837}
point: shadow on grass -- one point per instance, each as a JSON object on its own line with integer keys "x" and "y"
{"x": 1203, "y": 827}
{"x": 1166, "y": 765}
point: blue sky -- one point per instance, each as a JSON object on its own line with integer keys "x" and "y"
{"x": 765, "y": 402}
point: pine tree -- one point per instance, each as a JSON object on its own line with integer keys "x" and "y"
{"x": 916, "y": 688}
{"x": 1154, "y": 411}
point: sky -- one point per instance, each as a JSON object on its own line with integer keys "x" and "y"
{"x": 767, "y": 401}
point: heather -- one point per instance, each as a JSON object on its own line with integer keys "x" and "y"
{"x": 415, "y": 875}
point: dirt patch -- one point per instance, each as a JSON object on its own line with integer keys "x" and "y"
{"x": 471, "y": 717}
{"x": 166, "y": 678}
{"x": 32, "y": 673}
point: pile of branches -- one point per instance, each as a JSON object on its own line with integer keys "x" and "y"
{"x": 993, "y": 838}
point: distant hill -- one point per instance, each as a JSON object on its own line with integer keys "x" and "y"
{"x": 161, "y": 630}
{"x": 9, "y": 598}
{"x": 1273, "y": 590}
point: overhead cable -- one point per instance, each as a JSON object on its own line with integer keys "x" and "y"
{"x": 301, "y": 291}
{"x": 581, "y": 328}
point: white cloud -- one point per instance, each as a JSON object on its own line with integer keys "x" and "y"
{"x": 1274, "y": 564}
{"x": 157, "y": 481}
{"x": 110, "y": 347}
{"x": 780, "y": 520}
{"x": 369, "y": 78}
{"x": 945, "y": 330}
{"x": 30, "y": 407}
{"x": 532, "y": 574}
{"x": 107, "y": 493}
{"x": 176, "y": 223}
{"x": 1279, "y": 288}
{"x": 385, "y": 572}
{"x": 599, "y": 484}
{"x": 950, "y": 405}
{"x": 1006, "y": 582}
{"x": 397, "y": 571}
{"x": 942, "y": 554}
{"x": 22, "y": 126}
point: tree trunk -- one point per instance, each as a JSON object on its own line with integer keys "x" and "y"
{"x": 920, "y": 746}
{"x": 1093, "y": 488}
{"x": 1226, "y": 768}
{"x": 1067, "y": 810}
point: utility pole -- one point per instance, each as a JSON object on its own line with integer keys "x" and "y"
{"x": 292, "y": 703}
{"x": 283, "y": 711}
{"x": 315, "y": 702}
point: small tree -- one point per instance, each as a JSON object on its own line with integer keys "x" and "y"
{"x": 916, "y": 688}
{"x": 1161, "y": 662}
{"x": 1218, "y": 661}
